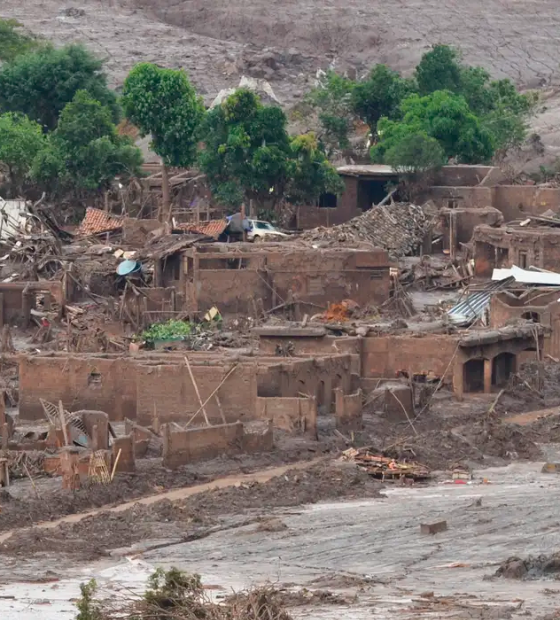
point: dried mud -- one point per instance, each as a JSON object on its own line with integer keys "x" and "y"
{"x": 93, "y": 536}
{"x": 150, "y": 478}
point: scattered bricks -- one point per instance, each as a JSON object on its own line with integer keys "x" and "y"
{"x": 126, "y": 461}
{"x": 97, "y": 426}
{"x": 433, "y": 528}
{"x": 399, "y": 402}
{"x": 551, "y": 468}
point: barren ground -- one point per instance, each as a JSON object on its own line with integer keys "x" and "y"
{"x": 218, "y": 41}
{"x": 367, "y": 553}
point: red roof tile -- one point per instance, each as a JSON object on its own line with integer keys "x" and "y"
{"x": 213, "y": 228}
{"x": 96, "y": 221}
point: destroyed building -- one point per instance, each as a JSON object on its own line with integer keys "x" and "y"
{"x": 253, "y": 279}
{"x": 469, "y": 362}
{"x": 515, "y": 244}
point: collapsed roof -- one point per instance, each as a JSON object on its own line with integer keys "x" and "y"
{"x": 400, "y": 228}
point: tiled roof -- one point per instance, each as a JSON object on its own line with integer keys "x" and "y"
{"x": 213, "y": 228}
{"x": 97, "y": 221}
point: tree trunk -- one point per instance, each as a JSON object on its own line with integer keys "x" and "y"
{"x": 165, "y": 213}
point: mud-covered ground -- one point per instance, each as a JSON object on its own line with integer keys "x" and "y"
{"x": 196, "y": 516}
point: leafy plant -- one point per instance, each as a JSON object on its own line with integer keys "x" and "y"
{"x": 170, "y": 330}
{"x": 88, "y": 607}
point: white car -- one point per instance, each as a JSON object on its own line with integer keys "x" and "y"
{"x": 264, "y": 231}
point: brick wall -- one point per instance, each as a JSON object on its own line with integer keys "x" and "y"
{"x": 347, "y": 208}
{"x": 383, "y": 356}
{"x": 318, "y": 345}
{"x": 467, "y": 197}
{"x": 168, "y": 392}
{"x": 181, "y": 447}
{"x": 461, "y": 175}
{"x": 94, "y": 383}
{"x": 518, "y": 201}
{"x": 233, "y": 291}
{"x": 348, "y": 412}
{"x": 11, "y": 296}
{"x": 294, "y": 415}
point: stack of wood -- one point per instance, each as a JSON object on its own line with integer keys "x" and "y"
{"x": 400, "y": 228}
{"x": 385, "y": 468}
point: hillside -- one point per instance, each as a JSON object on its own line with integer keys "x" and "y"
{"x": 287, "y": 42}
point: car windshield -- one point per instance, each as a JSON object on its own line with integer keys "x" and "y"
{"x": 264, "y": 226}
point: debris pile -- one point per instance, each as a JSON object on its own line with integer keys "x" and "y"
{"x": 385, "y": 468}
{"x": 542, "y": 566}
{"x": 400, "y": 228}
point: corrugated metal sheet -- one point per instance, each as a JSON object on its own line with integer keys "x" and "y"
{"x": 213, "y": 228}
{"x": 96, "y": 221}
{"x": 475, "y": 304}
{"x": 526, "y": 276}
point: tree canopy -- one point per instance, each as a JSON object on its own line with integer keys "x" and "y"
{"x": 248, "y": 155}
{"x": 20, "y": 142}
{"x": 497, "y": 113}
{"x": 310, "y": 173}
{"x": 84, "y": 152}
{"x": 380, "y": 94}
{"x": 164, "y": 104}
{"x": 443, "y": 116}
{"x": 333, "y": 99}
{"x": 14, "y": 42}
{"x": 39, "y": 84}
{"x": 245, "y": 149}
{"x": 439, "y": 69}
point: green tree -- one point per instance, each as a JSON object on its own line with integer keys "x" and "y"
{"x": 39, "y": 84}
{"x": 311, "y": 174}
{"x": 20, "y": 141}
{"x": 439, "y": 69}
{"x": 380, "y": 94}
{"x": 246, "y": 148}
{"x": 502, "y": 111}
{"x": 443, "y": 116}
{"x": 13, "y": 42}
{"x": 248, "y": 155}
{"x": 163, "y": 103}
{"x": 415, "y": 153}
{"x": 332, "y": 97}
{"x": 85, "y": 153}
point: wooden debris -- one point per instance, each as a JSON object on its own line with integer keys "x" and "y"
{"x": 97, "y": 470}
{"x": 385, "y": 468}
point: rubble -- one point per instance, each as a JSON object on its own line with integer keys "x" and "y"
{"x": 385, "y": 468}
{"x": 399, "y": 228}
